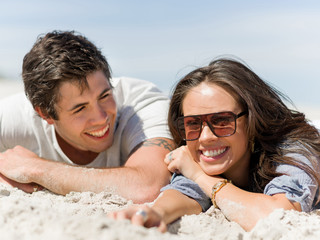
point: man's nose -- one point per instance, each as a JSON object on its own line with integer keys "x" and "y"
{"x": 99, "y": 114}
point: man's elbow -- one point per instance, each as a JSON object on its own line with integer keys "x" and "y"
{"x": 148, "y": 189}
{"x": 147, "y": 194}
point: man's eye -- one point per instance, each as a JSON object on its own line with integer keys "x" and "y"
{"x": 104, "y": 96}
{"x": 79, "y": 109}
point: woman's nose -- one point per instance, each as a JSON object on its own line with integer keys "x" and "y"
{"x": 206, "y": 133}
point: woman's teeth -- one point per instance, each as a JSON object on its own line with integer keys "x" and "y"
{"x": 99, "y": 133}
{"x": 213, "y": 153}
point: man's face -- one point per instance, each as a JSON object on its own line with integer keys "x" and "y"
{"x": 86, "y": 118}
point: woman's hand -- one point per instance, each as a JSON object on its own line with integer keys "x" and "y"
{"x": 141, "y": 215}
{"x": 181, "y": 161}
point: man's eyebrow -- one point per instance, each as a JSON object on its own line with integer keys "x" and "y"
{"x": 104, "y": 91}
{"x": 77, "y": 106}
{"x": 85, "y": 103}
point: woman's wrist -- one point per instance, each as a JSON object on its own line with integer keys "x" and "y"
{"x": 197, "y": 177}
{"x": 206, "y": 182}
{"x": 216, "y": 188}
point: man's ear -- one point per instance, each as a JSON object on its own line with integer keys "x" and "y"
{"x": 44, "y": 116}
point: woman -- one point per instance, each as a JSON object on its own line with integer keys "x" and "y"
{"x": 240, "y": 143}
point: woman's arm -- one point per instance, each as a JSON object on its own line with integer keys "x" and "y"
{"x": 168, "y": 207}
{"x": 245, "y": 208}
{"x": 172, "y": 205}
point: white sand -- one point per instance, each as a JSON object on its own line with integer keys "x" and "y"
{"x": 82, "y": 216}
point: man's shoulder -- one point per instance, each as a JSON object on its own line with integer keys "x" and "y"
{"x": 18, "y": 122}
{"x": 15, "y": 102}
{"x": 16, "y": 109}
{"x": 20, "y": 96}
{"x": 131, "y": 83}
{"x": 136, "y": 92}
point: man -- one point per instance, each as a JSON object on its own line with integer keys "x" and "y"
{"x": 81, "y": 130}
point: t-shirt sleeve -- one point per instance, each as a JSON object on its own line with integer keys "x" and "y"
{"x": 190, "y": 189}
{"x": 142, "y": 113}
{"x": 14, "y": 122}
{"x": 296, "y": 184}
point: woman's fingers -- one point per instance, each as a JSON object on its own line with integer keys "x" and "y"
{"x": 123, "y": 214}
{"x": 172, "y": 164}
{"x": 162, "y": 227}
{"x": 141, "y": 215}
{"x": 169, "y": 158}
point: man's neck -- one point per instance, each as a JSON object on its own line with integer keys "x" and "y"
{"x": 75, "y": 155}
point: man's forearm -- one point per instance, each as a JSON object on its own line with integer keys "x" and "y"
{"x": 140, "y": 179}
{"x": 130, "y": 182}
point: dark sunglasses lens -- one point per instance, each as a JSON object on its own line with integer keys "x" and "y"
{"x": 222, "y": 123}
{"x": 189, "y": 127}
{"x": 180, "y": 127}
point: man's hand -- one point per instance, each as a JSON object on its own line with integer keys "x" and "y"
{"x": 26, "y": 187}
{"x": 16, "y": 165}
{"x": 15, "y": 174}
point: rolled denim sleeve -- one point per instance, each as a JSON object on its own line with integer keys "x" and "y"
{"x": 296, "y": 184}
{"x": 190, "y": 189}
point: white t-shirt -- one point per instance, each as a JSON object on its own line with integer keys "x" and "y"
{"x": 142, "y": 114}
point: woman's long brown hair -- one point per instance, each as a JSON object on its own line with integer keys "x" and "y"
{"x": 275, "y": 130}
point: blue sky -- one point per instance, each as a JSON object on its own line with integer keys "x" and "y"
{"x": 162, "y": 40}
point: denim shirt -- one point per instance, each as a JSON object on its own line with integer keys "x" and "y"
{"x": 190, "y": 189}
{"x": 296, "y": 184}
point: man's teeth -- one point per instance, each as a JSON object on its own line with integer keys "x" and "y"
{"x": 213, "y": 153}
{"x": 99, "y": 133}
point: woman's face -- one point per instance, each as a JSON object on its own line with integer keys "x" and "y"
{"x": 218, "y": 155}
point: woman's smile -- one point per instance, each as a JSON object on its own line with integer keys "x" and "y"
{"x": 213, "y": 154}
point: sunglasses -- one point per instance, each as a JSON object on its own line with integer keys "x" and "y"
{"x": 221, "y": 124}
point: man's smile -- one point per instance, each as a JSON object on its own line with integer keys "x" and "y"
{"x": 99, "y": 133}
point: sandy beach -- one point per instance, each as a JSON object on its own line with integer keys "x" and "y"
{"x": 44, "y": 215}
{"x": 82, "y": 216}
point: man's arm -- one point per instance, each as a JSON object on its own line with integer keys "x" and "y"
{"x": 140, "y": 179}
{"x": 27, "y": 187}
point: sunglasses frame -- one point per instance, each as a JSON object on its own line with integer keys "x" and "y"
{"x": 203, "y": 118}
